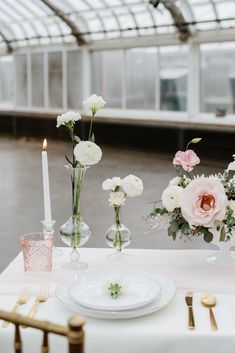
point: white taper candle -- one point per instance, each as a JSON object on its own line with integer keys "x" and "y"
{"x": 46, "y": 186}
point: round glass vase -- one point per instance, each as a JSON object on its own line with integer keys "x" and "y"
{"x": 75, "y": 232}
{"x": 223, "y": 256}
{"x": 118, "y": 236}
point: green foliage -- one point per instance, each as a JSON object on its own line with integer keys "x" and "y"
{"x": 207, "y": 235}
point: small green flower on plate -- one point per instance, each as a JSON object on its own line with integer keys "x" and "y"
{"x": 114, "y": 290}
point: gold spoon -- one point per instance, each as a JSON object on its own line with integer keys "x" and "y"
{"x": 209, "y": 301}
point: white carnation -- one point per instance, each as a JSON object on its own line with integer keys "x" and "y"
{"x": 132, "y": 185}
{"x": 111, "y": 184}
{"x": 175, "y": 181}
{"x": 171, "y": 197}
{"x": 87, "y": 153}
{"x": 94, "y": 103}
{"x": 68, "y": 117}
{"x": 117, "y": 198}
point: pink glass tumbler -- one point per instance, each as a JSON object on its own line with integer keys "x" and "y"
{"x": 37, "y": 252}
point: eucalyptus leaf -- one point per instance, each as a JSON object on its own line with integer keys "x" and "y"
{"x": 208, "y": 237}
{"x": 222, "y": 234}
{"x": 185, "y": 228}
{"x": 174, "y": 226}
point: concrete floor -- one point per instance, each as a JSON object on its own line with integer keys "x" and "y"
{"x": 21, "y": 206}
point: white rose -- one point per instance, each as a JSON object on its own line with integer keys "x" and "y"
{"x": 171, "y": 197}
{"x": 231, "y": 204}
{"x": 175, "y": 181}
{"x": 87, "y": 153}
{"x": 111, "y": 184}
{"x": 132, "y": 185}
{"x": 67, "y": 117}
{"x": 117, "y": 198}
{"x": 94, "y": 103}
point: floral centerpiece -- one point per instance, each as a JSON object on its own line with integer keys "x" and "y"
{"x": 118, "y": 235}
{"x": 196, "y": 205}
{"x": 75, "y": 232}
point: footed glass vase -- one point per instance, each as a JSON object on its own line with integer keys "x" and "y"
{"x": 75, "y": 232}
{"x": 118, "y": 235}
{"x": 223, "y": 256}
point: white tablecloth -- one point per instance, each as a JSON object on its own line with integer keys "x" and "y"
{"x": 163, "y": 332}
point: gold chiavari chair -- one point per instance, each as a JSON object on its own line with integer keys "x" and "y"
{"x": 73, "y": 332}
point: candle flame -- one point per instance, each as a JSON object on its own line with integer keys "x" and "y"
{"x": 44, "y": 145}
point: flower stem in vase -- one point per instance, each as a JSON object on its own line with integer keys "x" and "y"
{"x": 117, "y": 242}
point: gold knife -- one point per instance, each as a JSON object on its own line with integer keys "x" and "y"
{"x": 189, "y": 302}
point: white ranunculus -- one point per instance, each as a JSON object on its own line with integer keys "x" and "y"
{"x": 117, "y": 198}
{"x": 87, "y": 153}
{"x": 94, "y": 103}
{"x": 171, "y": 197}
{"x": 111, "y": 184}
{"x": 175, "y": 181}
{"x": 132, "y": 185}
{"x": 68, "y": 117}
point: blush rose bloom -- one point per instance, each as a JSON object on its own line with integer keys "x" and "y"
{"x": 203, "y": 201}
{"x": 187, "y": 160}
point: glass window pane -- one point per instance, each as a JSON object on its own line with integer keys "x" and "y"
{"x": 55, "y": 79}
{"x": 218, "y": 77}
{"x": 37, "y": 67}
{"x": 173, "y": 78}
{"x": 141, "y": 78}
{"x": 21, "y": 79}
{"x": 74, "y": 79}
{"x": 107, "y": 76}
{"x": 7, "y": 79}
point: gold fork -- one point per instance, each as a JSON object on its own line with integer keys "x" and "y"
{"x": 22, "y": 299}
{"x": 41, "y": 298}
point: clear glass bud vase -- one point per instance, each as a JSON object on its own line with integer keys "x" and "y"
{"x": 75, "y": 232}
{"x": 118, "y": 235}
{"x": 223, "y": 256}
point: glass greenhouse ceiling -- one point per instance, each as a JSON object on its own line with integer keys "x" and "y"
{"x": 43, "y": 22}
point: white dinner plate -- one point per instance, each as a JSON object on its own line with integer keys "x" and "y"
{"x": 91, "y": 290}
{"x": 168, "y": 291}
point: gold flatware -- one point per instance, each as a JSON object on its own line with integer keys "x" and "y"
{"x": 189, "y": 302}
{"x": 22, "y": 299}
{"x": 209, "y": 301}
{"x": 41, "y": 298}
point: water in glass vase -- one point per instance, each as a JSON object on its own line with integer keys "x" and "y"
{"x": 118, "y": 237}
{"x": 75, "y": 232}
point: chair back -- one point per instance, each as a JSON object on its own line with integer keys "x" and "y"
{"x": 74, "y": 331}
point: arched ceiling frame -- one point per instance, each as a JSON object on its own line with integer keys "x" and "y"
{"x": 178, "y": 18}
{"x": 74, "y": 29}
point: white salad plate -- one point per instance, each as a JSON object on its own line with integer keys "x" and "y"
{"x": 91, "y": 290}
{"x": 168, "y": 290}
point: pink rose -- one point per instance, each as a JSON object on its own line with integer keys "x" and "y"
{"x": 187, "y": 160}
{"x": 203, "y": 201}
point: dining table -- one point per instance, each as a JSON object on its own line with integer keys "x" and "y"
{"x": 164, "y": 331}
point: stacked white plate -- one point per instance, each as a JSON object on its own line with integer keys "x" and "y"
{"x": 141, "y": 294}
